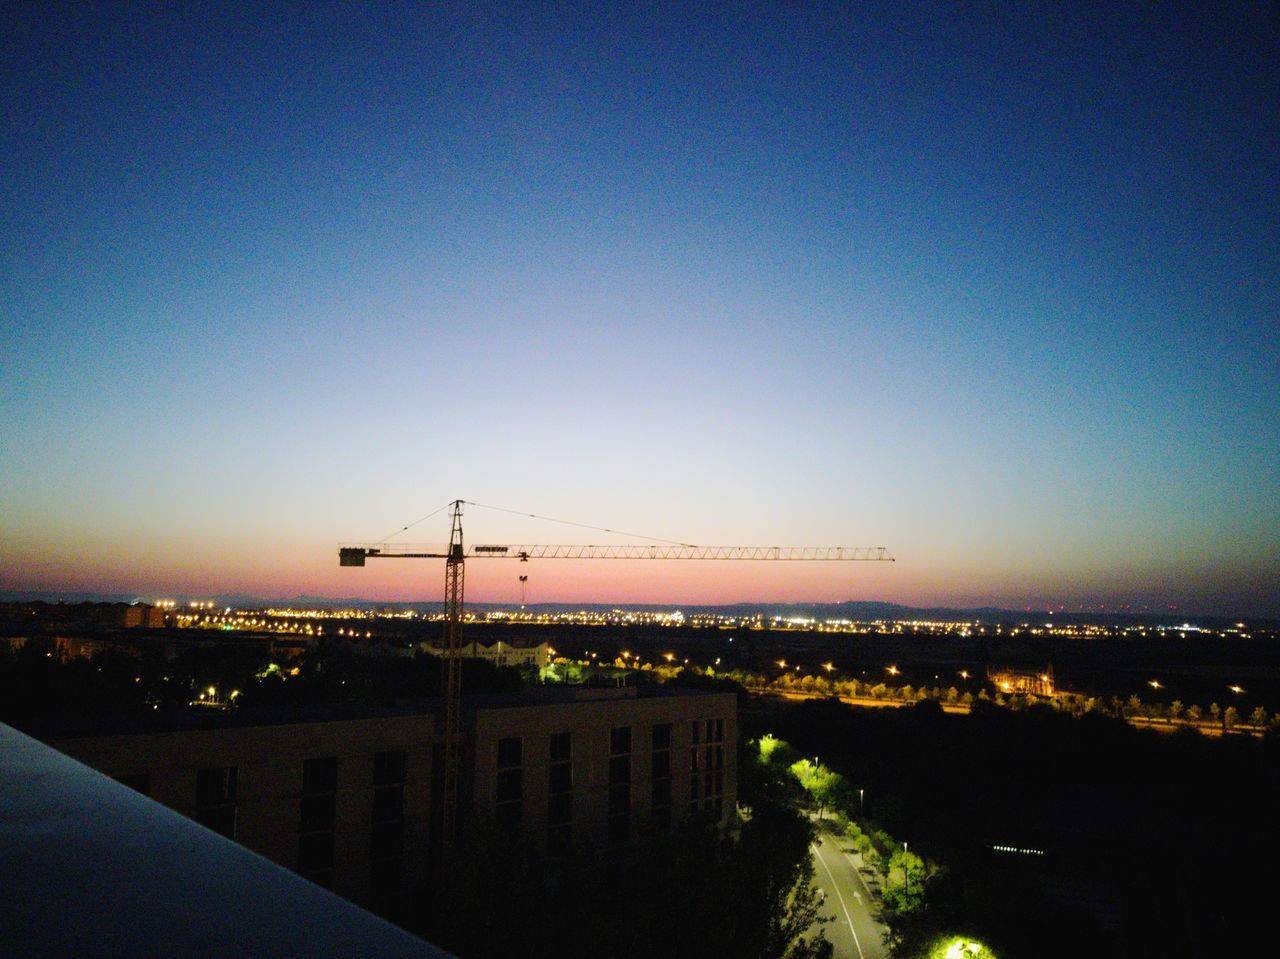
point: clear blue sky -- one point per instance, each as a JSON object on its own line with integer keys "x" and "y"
{"x": 996, "y": 289}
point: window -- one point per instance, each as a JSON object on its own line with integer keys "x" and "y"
{"x": 316, "y": 812}
{"x": 620, "y": 785}
{"x": 561, "y": 747}
{"x": 315, "y": 855}
{"x": 388, "y": 768}
{"x": 216, "y": 785}
{"x": 559, "y": 839}
{"x": 510, "y": 785}
{"x": 388, "y": 804}
{"x": 316, "y": 808}
{"x": 386, "y": 833}
{"x": 662, "y": 765}
{"x": 560, "y": 810}
{"x": 387, "y": 840}
{"x": 661, "y": 793}
{"x": 510, "y": 752}
{"x": 620, "y": 740}
{"x": 560, "y": 794}
{"x": 661, "y": 736}
{"x": 619, "y": 800}
{"x": 216, "y": 799}
{"x": 662, "y": 818}
{"x": 320, "y": 775}
{"x": 706, "y": 766}
{"x": 619, "y": 769}
{"x": 660, "y": 778}
{"x": 507, "y": 816}
{"x": 561, "y": 780}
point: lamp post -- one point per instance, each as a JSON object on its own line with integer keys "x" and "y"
{"x": 906, "y": 871}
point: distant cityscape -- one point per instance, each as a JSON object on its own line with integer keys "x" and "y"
{"x": 860, "y": 618}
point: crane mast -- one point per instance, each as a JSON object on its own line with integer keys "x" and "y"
{"x": 454, "y": 580}
{"x": 457, "y": 553}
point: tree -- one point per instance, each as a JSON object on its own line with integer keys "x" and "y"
{"x": 1175, "y": 710}
{"x": 1215, "y": 712}
{"x": 1258, "y": 717}
{"x": 904, "y": 889}
{"x": 825, "y": 786}
{"x": 1230, "y": 718}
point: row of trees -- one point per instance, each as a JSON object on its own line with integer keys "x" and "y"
{"x": 906, "y": 878}
{"x": 1176, "y": 712}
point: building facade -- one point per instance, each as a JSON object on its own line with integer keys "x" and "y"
{"x": 347, "y": 800}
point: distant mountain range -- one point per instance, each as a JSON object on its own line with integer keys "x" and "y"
{"x": 858, "y": 610}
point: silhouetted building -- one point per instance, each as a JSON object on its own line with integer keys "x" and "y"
{"x": 346, "y": 799}
{"x": 500, "y": 653}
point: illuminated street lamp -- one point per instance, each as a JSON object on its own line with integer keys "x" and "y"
{"x": 1235, "y": 689}
{"x": 892, "y": 670}
{"x": 828, "y": 666}
{"x": 1154, "y": 684}
{"x": 906, "y": 870}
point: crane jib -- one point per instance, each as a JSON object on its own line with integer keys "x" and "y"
{"x": 356, "y": 555}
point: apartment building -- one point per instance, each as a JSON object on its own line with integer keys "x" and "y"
{"x": 344, "y": 796}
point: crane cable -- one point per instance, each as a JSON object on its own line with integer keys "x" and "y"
{"x": 402, "y": 529}
{"x": 567, "y": 522}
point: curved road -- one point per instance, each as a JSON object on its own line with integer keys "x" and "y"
{"x": 848, "y": 901}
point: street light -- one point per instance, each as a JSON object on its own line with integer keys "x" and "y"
{"x": 906, "y": 870}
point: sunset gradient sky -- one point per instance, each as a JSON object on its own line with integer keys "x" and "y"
{"x": 997, "y": 289}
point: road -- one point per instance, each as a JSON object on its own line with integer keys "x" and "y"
{"x": 853, "y": 931}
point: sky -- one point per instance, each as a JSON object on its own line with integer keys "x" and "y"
{"x": 994, "y": 286}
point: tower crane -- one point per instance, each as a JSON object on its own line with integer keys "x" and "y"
{"x": 456, "y": 554}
